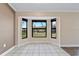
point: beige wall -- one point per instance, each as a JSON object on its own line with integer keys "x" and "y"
{"x": 6, "y": 27}
{"x": 69, "y": 27}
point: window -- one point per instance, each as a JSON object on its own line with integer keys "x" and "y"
{"x": 24, "y": 28}
{"x": 53, "y": 28}
{"x": 39, "y": 28}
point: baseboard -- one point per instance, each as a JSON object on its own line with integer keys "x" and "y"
{"x": 7, "y": 51}
{"x": 23, "y": 43}
{"x": 69, "y": 45}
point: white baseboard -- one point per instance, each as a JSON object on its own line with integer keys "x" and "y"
{"x": 69, "y": 45}
{"x": 7, "y": 51}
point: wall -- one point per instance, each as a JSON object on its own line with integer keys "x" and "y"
{"x": 6, "y": 27}
{"x": 69, "y": 26}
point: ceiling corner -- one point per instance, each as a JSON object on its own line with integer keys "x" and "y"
{"x": 12, "y": 6}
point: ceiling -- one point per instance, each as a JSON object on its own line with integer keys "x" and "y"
{"x": 47, "y": 7}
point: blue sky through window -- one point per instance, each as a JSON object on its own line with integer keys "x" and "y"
{"x": 24, "y": 24}
{"x": 36, "y": 24}
{"x": 39, "y": 24}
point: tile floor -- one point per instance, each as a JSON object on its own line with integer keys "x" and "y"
{"x": 37, "y": 49}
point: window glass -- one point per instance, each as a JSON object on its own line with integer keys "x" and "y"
{"x": 39, "y": 28}
{"x": 24, "y": 28}
{"x": 53, "y": 28}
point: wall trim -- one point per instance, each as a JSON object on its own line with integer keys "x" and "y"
{"x": 38, "y": 17}
{"x": 8, "y": 51}
{"x": 69, "y": 45}
{"x": 29, "y": 42}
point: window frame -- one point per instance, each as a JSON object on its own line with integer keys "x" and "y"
{"x": 23, "y": 19}
{"x": 53, "y": 28}
{"x": 39, "y": 28}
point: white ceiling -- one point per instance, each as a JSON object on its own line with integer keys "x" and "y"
{"x": 51, "y": 7}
